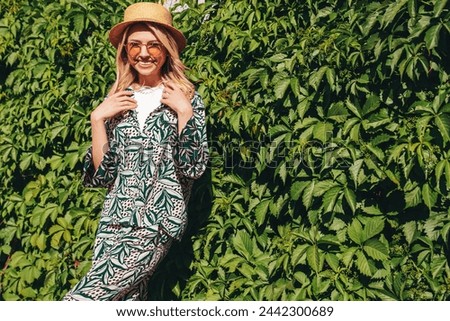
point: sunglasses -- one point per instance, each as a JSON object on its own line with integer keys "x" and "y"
{"x": 154, "y": 48}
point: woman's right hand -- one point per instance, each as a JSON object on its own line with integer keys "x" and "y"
{"x": 119, "y": 102}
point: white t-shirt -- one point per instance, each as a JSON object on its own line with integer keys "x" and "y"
{"x": 148, "y": 99}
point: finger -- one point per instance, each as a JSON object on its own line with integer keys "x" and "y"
{"x": 127, "y": 99}
{"x": 127, "y": 107}
{"x": 124, "y": 93}
{"x": 169, "y": 85}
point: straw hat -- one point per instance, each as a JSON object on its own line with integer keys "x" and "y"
{"x": 146, "y": 12}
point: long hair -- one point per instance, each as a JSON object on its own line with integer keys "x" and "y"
{"x": 173, "y": 68}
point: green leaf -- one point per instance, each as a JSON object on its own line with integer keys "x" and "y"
{"x": 412, "y": 8}
{"x": 308, "y": 195}
{"x": 297, "y": 189}
{"x": 413, "y": 197}
{"x": 353, "y": 108}
{"x": 243, "y": 244}
{"x": 443, "y": 123}
{"x": 350, "y": 197}
{"x": 313, "y": 258}
{"x": 78, "y": 23}
{"x": 323, "y": 186}
{"x": 354, "y": 171}
{"x": 372, "y": 103}
{"x": 348, "y": 254}
{"x": 391, "y": 12}
{"x": 429, "y": 195}
{"x": 376, "y": 250}
{"x": 261, "y": 211}
{"x": 333, "y": 261}
{"x": 373, "y": 227}
{"x": 378, "y": 152}
{"x": 323, "y": 131}
{"x": 331, "y": 78}
{"x": 316, "y": 77}
{"x": 439, "y": 6}
{"x": 281, "y": 87}
{"x": 409, "y": 229}
{"x": 363, "y": 264}
{"x": 355, "y": 232}
{"x": 432, "y": 36}
{"x": 330, "y": 197}
{"x": 438, "y": 266}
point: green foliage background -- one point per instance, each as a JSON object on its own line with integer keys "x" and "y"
{"x": 329, "y": 128}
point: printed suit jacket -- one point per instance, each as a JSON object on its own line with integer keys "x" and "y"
{"x": 149, "y": 173}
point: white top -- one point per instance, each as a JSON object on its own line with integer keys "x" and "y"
{"x": 148, "y": 99}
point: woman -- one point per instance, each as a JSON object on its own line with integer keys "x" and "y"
{"x": 148, "y": 144}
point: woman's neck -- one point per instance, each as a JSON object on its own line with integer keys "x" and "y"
{"x": 154, "y": 82}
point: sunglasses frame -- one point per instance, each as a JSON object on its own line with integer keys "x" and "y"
{"x": 149, "y": 46}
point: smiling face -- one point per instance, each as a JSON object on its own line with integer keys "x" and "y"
{"x": 146, "y": 55}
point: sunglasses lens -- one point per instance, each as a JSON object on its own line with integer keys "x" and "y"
{"x": 134, "y": 49}
{"x": 154, "y": 49}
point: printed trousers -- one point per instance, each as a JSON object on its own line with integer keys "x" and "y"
{"x": 123, "y": 261}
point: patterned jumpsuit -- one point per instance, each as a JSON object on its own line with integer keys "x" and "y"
{"x": 149, "y": 175}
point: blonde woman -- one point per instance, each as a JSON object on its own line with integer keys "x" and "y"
{"x": 148, "y": 145}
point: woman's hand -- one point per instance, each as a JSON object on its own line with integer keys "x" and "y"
{"x": 113, "y": 105}
{"x": 176, "y": 99}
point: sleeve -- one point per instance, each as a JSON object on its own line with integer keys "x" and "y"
{"x": 106, "y": 172}
{"x": 191, "y": 153}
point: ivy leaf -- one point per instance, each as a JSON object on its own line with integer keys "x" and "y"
{"x": 355, "y": 232}
{"x": 333, "y": 261}
{"x": 363, "y": 264}
{"x": 432, "y": 36}
{"x": 323, "y": 186}
{"x": 439, "y": 6}
{"x": 261, "y": 211}
{"x": 355, "y": 169}
{"x": 330, "y": 197}
{"x": 438, "y": 266}
{"x": 413, "y": 197}
{"x": 350, "y": 197}
{"x": 409, "y": 229}
{"x": 391, "y": 12}
{"x": 373, "y": 227}
{"x": 316, "y": 77}
{"x": 313, "y": 258}
{"x": 308, "y": 194}
{"x": 243, "y": 244}
{"x": 323, "y": 131}
{"x": 443, "y": 123}
{"x": 429, "y": 196}
{"x": 297, "y": 189}
{"x": 281, "y": 87}
{"x": 376, "y": 250}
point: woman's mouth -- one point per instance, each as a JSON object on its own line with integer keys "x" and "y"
{"x": 146, "y": 63}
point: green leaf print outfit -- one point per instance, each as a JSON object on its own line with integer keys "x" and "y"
{"x": 149, "y": 175}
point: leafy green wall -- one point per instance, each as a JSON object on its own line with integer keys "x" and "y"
{"x": 329, "y": 128}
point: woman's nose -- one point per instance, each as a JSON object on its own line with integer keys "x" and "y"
{"x": 144, "y": 51}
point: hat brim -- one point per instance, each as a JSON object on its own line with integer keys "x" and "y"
{"x": 115, "y": 34}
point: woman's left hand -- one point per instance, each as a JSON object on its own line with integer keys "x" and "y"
{"x": 176, "y": 99}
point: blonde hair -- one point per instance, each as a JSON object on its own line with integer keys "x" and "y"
{"x": 173, "y": 69}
